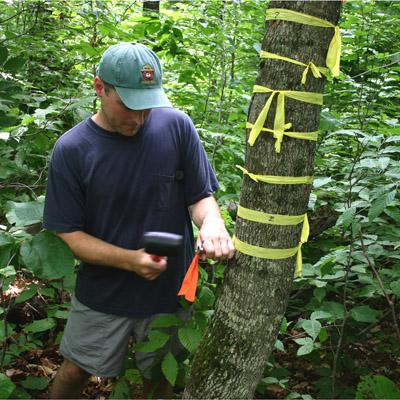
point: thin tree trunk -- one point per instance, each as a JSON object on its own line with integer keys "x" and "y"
{"x": 232, "y": 356}
{"x": 151, "y": 8}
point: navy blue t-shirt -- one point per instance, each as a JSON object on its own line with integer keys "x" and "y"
{"x": 116, "y": 188}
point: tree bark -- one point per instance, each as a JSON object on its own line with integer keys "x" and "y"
{"x": 151, "y": 8}
{"x": 231, "y": 359}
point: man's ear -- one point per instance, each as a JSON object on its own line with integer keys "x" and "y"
{"x": 98, "y": 86}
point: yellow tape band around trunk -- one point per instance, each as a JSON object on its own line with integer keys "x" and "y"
{"x": 279, "y": 123}
{"x": 265, "y": 218}
{"x": 278, "y": 180}
{"x": 333, "y": 55}
{"x": 261, "y": 252}
{"x": 296, "y": 135}
{"x": 276, "y": 254}
{"x": 316, "y": 71}
{"x": 275, "y": 219}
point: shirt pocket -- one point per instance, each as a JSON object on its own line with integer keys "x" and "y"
{"x": 167, "y": 190}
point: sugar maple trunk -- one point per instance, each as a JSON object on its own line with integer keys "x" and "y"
{"x": 230, "y": 360}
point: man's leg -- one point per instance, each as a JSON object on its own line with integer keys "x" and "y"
{"x": 93, "y": 343}
{"x": 69, "y": 382}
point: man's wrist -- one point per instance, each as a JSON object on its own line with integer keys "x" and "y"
{"x": 129, "y": 260}
{"x": 214, "y": 219}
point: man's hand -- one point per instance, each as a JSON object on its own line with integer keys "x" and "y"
{"x": 213, "y": 236}
{"x": 215, "y": 240}
{"x": 143, "y": 264}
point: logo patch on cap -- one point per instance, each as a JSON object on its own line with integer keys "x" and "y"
{"x": 147, "y": 73}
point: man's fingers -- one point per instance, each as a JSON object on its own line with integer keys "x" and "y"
{"x": 208, "y": 248}
{"x": 225, "y": 249}
{"x": 231, "y": 248}
{"x": 217, "y": 249}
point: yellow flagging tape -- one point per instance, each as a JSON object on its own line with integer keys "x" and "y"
{"x": 278, "y": 180}
{"x": 297, "y": 135}
{"x": 265, "y": 218}
{"x": 261, "y": 252}
{"x": 279, "y": 123}
{"x": 316, "y": 71}
{"x": 333, "y": 55}
{"x": 276, "y": 254}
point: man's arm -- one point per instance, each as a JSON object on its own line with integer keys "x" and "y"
{"x": 95, "y": 251}
{"x": 213, "y": 235}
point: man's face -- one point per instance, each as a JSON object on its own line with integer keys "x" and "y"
{"x": 118, "y": 117}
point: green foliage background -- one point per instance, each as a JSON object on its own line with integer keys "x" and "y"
{"x": 351, "y": 281}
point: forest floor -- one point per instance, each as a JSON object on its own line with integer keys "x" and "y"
{"x": 377, "y": 353}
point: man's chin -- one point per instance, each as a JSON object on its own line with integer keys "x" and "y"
{"x": 128, "y": 132}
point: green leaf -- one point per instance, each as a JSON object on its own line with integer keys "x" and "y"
{"x": 319, "y": 294}
{"x": 6, "y": 121}
{"x": 40, "y": 325}
{"x": 347, "y": 217}
{"x": 269, "y": 380}
{"x": 393, "y": 213}
{"x": 35, "y": 382}
{"x": 47, "y": 256}
{"x": 27, "y": 294}
{"x": 333, "y": 308}
{"x": 3, "y": 334}
{"x": 157, "y": 340}
{"x": 169, "y": 367}
{"x": 6, "y": 246}
{"x": 395, "y": 287}
{"x": 3, "y": 54}
{"x": 312, "y": 327}
{"x": 206, "y": 297}
{"x": 364, "y": 314}
{"x": 190, "y": 338}
{"x": 383, "y": 163}
{"x": 329, "y": 122}
{"x": 166, "y": 321}
{"x": 121, "y": 390}
{"x": 23, "y": 214}
{"x": 14, "y": 64}
{"x": 377, "y": 387}
{"x": 323, "y": 335}
{"x": 307, "y": 346}
{"x": 6, "y": 386}
{"x": 61, "y": 314}
{"x": 279, "y": 345}
{"x": 318, "y": 182}
{"x": 284, "y": 326}
{"x": 8, "y": 271}
{"x": 380, "y": 204}
{"x": 319, "y": 314}
{"x": 20, "y": 393}
{"x": 133, "y": 376}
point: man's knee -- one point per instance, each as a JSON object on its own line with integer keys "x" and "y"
{"x": 73, "y": 372}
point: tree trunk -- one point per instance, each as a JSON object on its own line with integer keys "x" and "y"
{"x": 151, "y": 8}
{"x": 232, "y": 356}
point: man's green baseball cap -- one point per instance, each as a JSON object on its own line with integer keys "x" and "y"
{"x": 135, "y": 72}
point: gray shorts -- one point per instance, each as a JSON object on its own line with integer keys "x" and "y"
{"x": 98, "y": 342}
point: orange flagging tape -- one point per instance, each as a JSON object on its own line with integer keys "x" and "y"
{"x": 189, "y": 284}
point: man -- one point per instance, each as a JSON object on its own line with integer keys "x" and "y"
{"x": 137, "y": 165}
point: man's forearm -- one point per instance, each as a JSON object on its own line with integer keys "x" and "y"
{"x": 205, "y": 208}
{"x": 92, "y": 250}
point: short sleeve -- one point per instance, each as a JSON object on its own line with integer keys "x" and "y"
{"x": 200, "y": 179}
{"x": 64, "y": 202}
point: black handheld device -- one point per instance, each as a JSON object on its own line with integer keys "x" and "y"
{"x": 162, "y": 244}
